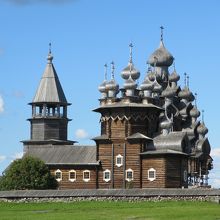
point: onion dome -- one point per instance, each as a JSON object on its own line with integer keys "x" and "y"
{"x": 102, "y": 86}
{"x": 202, "y": 129}
{"x": 130, "y": 70}
{"x": 194, "y": 112}
{"x": 169, "y": 92}
{"x": 151, "y": 76}
{"x": 161, "y": 56}
{"x": 203, "y": 146}
{"x": 174, "y": 76}
{"x": 112, "y": 84}
{"x": 147, "y": 84}
{"x": 130, "y": 84}
{"x": 185, "y": 93}
{"x": 157, "y": 87}
{"x": 50, "y": 56}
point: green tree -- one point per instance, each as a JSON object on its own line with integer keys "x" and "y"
{"x": 27, "y": 173}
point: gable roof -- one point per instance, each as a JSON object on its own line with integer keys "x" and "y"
{"x": 63, "y": 154}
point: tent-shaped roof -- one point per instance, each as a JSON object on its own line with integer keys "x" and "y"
{"x": 50, "y": 89}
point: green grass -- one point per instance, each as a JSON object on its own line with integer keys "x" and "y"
{"x": 110, "y": 210}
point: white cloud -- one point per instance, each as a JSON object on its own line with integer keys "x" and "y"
{"x": 1, "y": 104}
{"x": 215, "y": 183}
{"x": 18, "y": 155}
{"x": 215, "y": 152}
{"x": 81, "y": 134}
{"x": 2, "y": 158}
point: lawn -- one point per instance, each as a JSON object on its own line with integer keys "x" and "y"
{"x": 110, "y": 210}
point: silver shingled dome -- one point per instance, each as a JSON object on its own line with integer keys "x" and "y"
{"x": 157, "y": 87}
{"x": 102, "y": 87}
{"x": 130, "y": 84}
{"x": 169, "y": 92}
{"x": 202, "y": 129}
{"x": 112, "y": 85}
{"x": 194, "y": 112}
{"x": 130, "y": 71}
{"x": 185, "y": 94}
{"x": 174, "y": 76}
{"x": 161, "y": 57}
{"x": 147, "y": 84}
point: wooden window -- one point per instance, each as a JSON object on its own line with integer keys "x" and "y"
{"x": 129, "y": 175}
{"x": 151, "y": 174}
{"x": 72, "y": 175}
{"x": 119, "y": 160}
{"x": 86, "y": 175}
{"x": 107, "y": 175}
{"x": 58, "y": 175}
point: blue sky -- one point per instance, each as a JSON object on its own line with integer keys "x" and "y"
{"x": 85, "y": 34}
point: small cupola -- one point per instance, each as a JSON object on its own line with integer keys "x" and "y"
{"x": 202, "y": 129}
{"x": 102, "y": 86}
{"x": 194, "y": 112}
{"x": 130, "y": 71}
{"x": 185, "y": 94}
{"x": 174, "y": 77}
{"x": 147, "y": 87}
{"x": 112, "y": 86}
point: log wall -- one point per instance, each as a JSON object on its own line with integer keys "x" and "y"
{"x": 79, "y": 183}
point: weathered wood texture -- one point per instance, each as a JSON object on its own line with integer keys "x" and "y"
{"x": 169, "y": 171}
{"x": 175, "y": 167}
{"x": 79, "y": 183}
{"x": 159, "y": 164}
{"x": 45, "y": 129}
{"x": 108, "y": 153}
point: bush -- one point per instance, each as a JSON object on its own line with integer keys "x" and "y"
{"x": 27, "y": 173}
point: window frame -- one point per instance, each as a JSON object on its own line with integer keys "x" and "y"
{"x": 149, "y": 172}
{"x": 58, "y": 171}
{"x": 72, "y": 179}
{"x": 107, "y": 179}
{"x": 126, "y": 176}
{"x": 116, "y": 160}
{"x": 86, "y": 179}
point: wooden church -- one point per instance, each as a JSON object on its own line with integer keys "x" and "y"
{"x": 150, "y": 134}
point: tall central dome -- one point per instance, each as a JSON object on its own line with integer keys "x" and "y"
{"x": 161, "y": 59}
{"x": 161, "y": 56}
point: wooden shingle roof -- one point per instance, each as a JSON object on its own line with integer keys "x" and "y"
{"x": 64, "y": 154}
{"x": 50, "y": 89}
